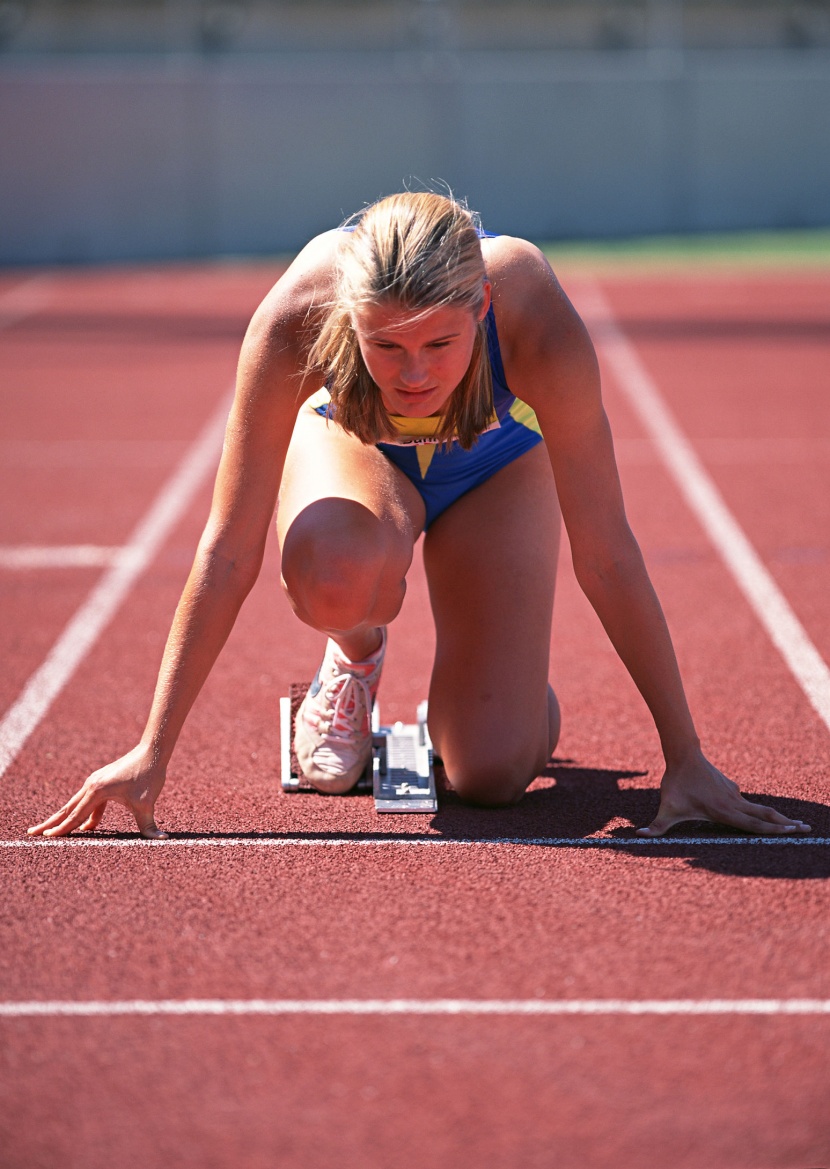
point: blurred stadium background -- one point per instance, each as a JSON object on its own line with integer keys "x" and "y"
{"x": 143, "y": 129}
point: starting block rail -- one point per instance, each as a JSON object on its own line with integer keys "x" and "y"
{"x": 399, "y": 771}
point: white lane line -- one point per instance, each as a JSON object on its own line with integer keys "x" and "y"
{"x": 89, "y": 454}
{"x": 411, "y": 841}
{"x": 57, "y": 556}
{"x": 24, "y": 299}
{"x": 698, "y": 489}
{"x": 102, "y": 603}
{"x": 731, "y": 452}
{"x": 418, "y": 1007}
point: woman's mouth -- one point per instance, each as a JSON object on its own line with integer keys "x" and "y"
{"x": 420, "y": 393}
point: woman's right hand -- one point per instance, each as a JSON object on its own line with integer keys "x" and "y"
{"x": 135, "y": 780}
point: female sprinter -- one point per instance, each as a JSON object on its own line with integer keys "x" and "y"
{"x": 462, "y": 400}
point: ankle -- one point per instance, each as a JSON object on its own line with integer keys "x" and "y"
{"x": 358, "y": 646}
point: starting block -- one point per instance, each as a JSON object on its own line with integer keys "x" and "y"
{"x": 399, "y": 772}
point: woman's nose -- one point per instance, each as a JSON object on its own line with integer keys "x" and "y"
{"x": 414, "y": 371}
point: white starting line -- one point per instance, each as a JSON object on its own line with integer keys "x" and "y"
{"x": 579, "y": 842}
{"x": 417, "y": 1007}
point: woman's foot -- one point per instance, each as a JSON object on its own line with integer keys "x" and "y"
{"x": 333, "y": 727}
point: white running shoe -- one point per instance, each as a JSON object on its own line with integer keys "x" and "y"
{"x": 333, "y": 727}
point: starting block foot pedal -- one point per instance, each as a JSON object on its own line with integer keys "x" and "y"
{"x": 399, "y": 772}
{"x": 291, "y": 777}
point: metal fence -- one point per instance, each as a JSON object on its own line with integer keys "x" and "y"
{"x": 138, "y": 129}
{"x": 257, "y": 26}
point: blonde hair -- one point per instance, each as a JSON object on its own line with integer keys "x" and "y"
{"x": 420, "y": 251}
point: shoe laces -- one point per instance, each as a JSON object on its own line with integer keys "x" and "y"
{"x": 349, "y": 701}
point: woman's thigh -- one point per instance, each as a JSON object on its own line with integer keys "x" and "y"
{"x": 347, "y": 521}
{"x": 491, "y": 563}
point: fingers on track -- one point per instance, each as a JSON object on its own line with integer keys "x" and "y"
{"x": 57, "y": 818}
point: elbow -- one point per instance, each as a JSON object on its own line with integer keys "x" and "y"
{"x": 224, "y": 565}
{"x": 608, "y": 568}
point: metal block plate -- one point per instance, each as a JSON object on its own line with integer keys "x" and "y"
{"x": 403, "y": 779}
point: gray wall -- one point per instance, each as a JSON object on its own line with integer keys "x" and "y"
{"x": 110, "y": 158}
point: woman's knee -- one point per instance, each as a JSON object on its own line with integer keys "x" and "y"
{"x": 480, "y": 773}
{"x": 338, "y": 569}
{"x": 332, "y": 588}
{"x": 554, "y": 721}
{"x": 490, "y": 783}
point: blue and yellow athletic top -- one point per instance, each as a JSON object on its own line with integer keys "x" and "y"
{"x": 440, "y": 475}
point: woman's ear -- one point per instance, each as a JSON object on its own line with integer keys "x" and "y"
{"x": 485, "y": 304}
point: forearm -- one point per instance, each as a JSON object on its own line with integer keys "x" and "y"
{"x": 204, "y": 617}
{"x": 627, "y": 605}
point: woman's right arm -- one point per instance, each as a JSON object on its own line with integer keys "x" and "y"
{"x": 270, "y": 388}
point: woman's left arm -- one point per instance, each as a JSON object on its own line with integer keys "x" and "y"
{"x": 552, "y": 366}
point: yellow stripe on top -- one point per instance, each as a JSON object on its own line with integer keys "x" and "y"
{"x": 416, "y": 427}
{"x": 523, "y": 414}
{"x": 425, "y": 453}
{"x": 421, "y": 430}
{"x": 320, "y": 397}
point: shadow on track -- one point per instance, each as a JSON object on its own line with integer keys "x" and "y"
{"x": 585, "y": 801}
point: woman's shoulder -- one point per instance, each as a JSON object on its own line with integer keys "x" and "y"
{"x": 520, "y": 274}
{"x": 535, "y": 319}
{"x": 278, "y": 335}
{"x": 307, "y": 282}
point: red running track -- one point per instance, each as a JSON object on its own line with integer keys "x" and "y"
{"x": 279, "y": 900}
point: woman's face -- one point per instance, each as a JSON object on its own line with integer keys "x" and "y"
{"x": 417, "y": 359}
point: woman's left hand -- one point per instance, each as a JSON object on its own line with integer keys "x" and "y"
{"x": 695, "y": 790}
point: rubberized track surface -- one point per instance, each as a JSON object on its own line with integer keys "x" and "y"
{"x": 291, "y": 981}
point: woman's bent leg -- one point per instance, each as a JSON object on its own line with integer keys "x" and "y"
{"x": 491, "y": 564}
{"x": 347, "y": 523}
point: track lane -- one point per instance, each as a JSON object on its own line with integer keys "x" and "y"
{"x": 467, "y": 921}
{"x": 35, "y": 608}
{"x": 745, "y": 371}
{"x": 346, "y": 1094}
{"x": 514, "y": 918}
{"x": 127, "y": 352}
{"x": 578, "y": 630}
{"x": 269, "y": 636}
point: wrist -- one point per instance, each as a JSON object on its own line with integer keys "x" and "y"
{"x": 679, "y": 751}
{"x": 155, "y": 751}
